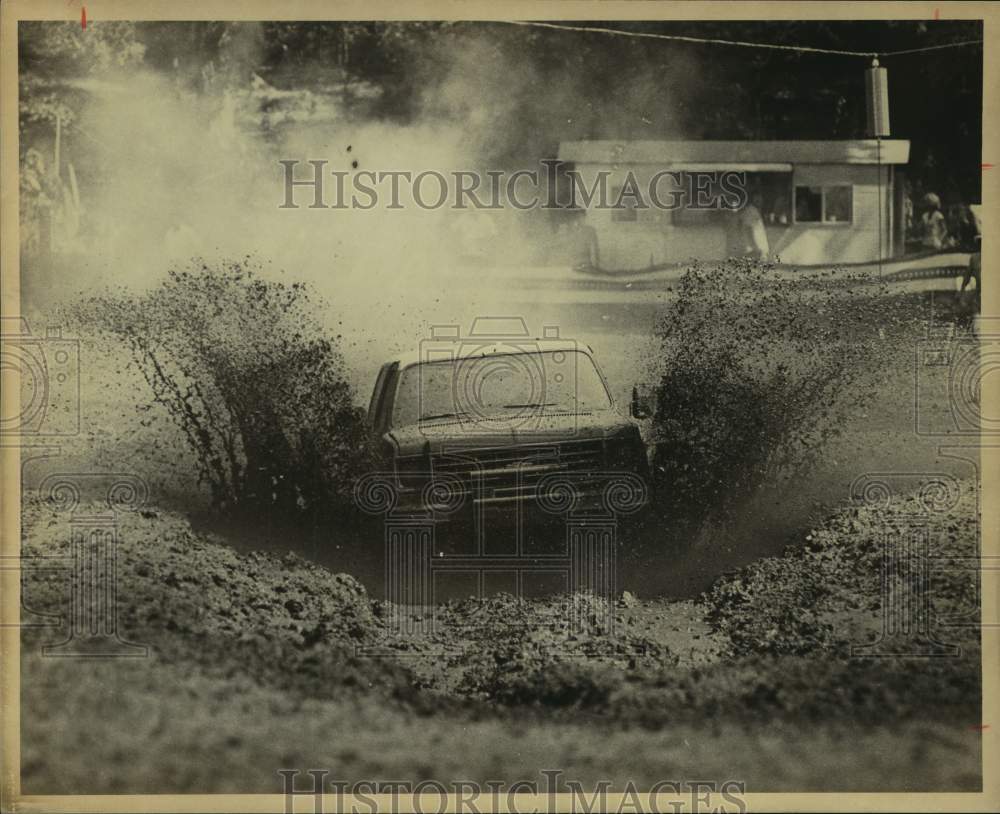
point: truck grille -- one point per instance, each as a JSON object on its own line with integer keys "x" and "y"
{"x": 507, "y": 472}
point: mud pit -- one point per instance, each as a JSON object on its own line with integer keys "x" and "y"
{"x": 265, "y": 661}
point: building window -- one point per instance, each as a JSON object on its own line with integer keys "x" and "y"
{"x": 769, "y": 192}
{"x": 773, "y": 191}
{"x": 808, "y": 204}
{"x": 838, "y": 205}
{"x": 824, "y": 204}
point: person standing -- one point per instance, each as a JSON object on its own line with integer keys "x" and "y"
{"x": 753, "y": 234}
{"x": 933, "y": 226}
{"x": 962, "y": 228}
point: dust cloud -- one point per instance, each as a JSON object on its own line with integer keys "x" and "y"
{"x": 174, "y": 170}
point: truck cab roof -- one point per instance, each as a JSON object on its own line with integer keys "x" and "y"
{"x": 471, "y": 348}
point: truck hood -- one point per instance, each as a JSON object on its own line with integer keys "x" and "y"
{"x": 537, "y": 429}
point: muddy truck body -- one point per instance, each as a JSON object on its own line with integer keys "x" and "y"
{"x": 468, "y": 424}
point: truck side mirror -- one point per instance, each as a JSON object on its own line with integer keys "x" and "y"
{"x": 640, "y": 406}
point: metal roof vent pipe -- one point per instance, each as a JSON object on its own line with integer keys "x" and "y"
{"x": 877, "y": 99}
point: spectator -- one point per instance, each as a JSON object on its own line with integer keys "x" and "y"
{"x": 975, "y": 269}
{"x": 974, "y": 272}
{"x": 752, "y": 234}
{"x": 962, "y": 228}
{"x": 40, "y": 197}
{"x": 970, "y": 307}
{"x": 934, "y": 230}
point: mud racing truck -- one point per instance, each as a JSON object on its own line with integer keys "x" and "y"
{"x": 500, "y": 419}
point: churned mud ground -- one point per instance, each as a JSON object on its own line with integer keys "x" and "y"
{"x": 261, "y": 661}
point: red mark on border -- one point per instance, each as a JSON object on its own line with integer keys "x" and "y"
{"x": 979, "y": 727}
{"x": 937, "y": 14}
{"x": 985, "y": 167}
{"x": 83, "y": 17}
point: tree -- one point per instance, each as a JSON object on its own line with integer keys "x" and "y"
{"x": 53, "y": 58}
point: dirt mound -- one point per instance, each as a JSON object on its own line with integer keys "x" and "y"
{"x": 826, "y": 595}
{"x": 787, "y": 624}
{"x": 277, "y": 618}
{"x": 799, "y": 689}
{"x": 569, "y": 650}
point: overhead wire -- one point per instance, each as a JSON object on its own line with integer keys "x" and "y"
{"x": 808, "y": 49}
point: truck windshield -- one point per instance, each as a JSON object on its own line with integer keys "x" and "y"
{"x": 499, "y": 386}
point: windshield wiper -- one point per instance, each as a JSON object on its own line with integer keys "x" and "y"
{"x": 441, "y": 415}
{"x": 530, "y": 406}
